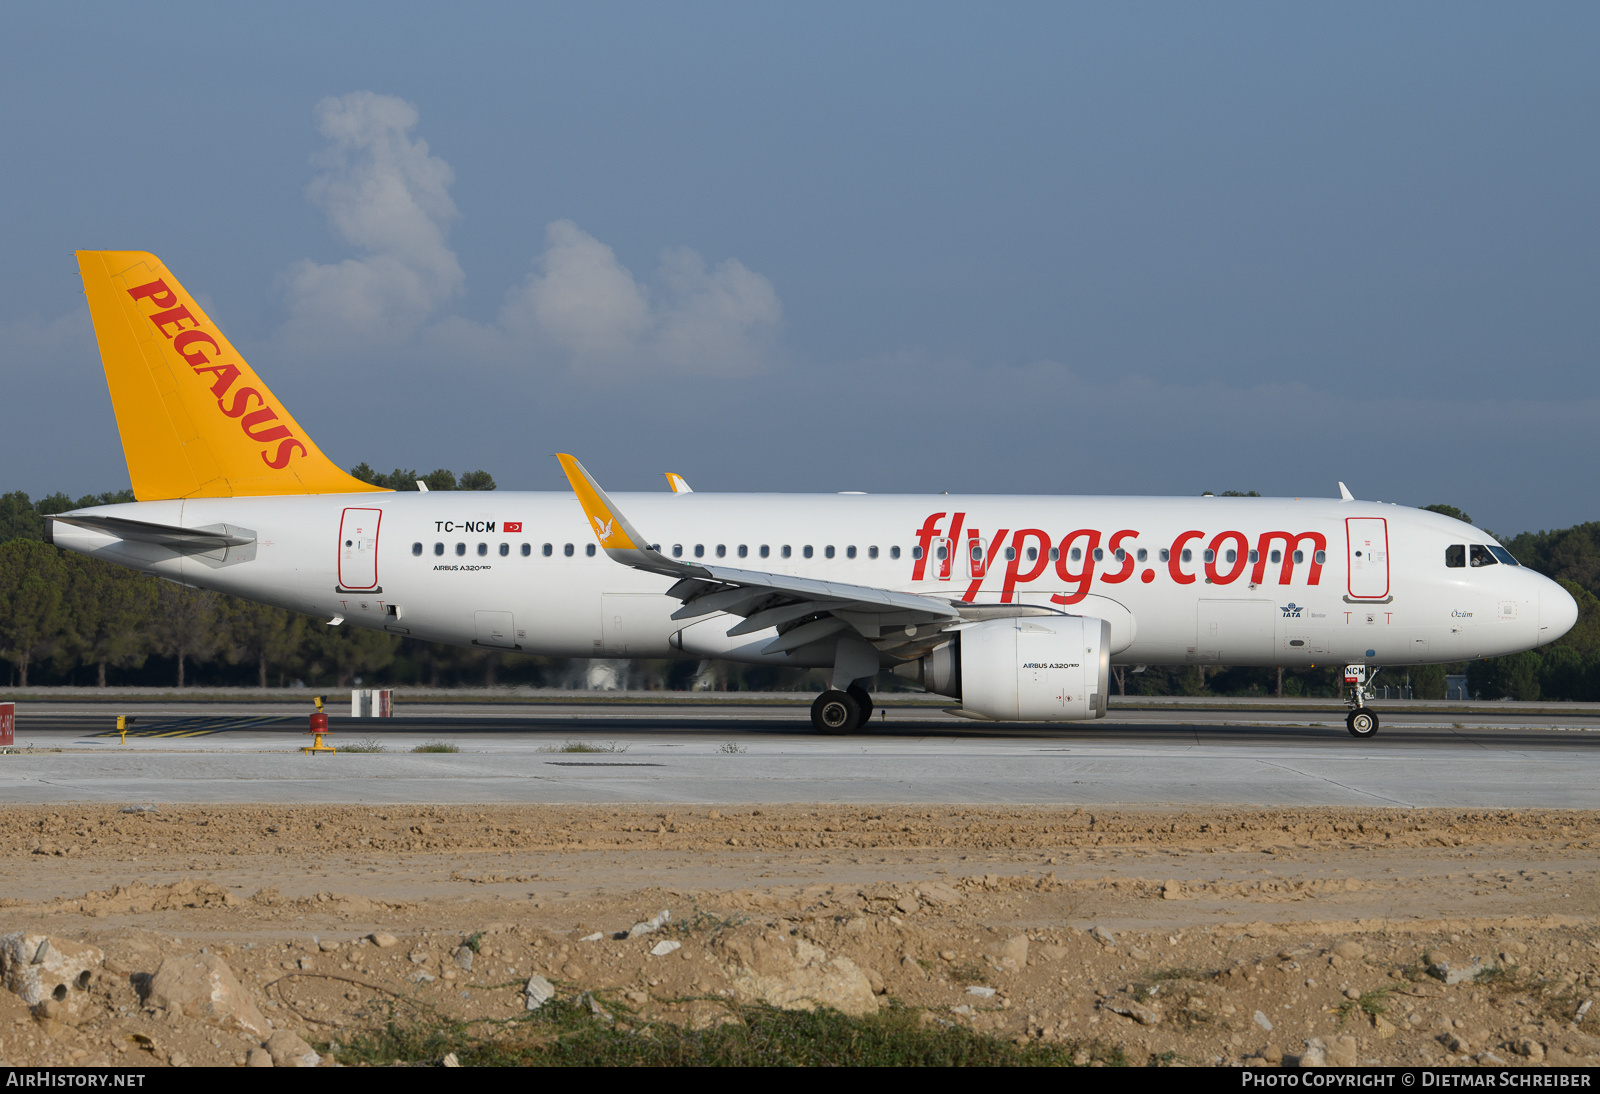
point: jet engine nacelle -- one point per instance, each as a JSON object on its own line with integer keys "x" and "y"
{"x": 1031, "y": 669}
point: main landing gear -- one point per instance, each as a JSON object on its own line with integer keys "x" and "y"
{"x": 1362, "y": 721}
{"x": 836, "y": 712}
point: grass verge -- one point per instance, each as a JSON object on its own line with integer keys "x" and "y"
{"x": 437, "y": 746}
{"x": 568, "y": 1034}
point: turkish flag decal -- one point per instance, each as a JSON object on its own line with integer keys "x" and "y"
{"x": 513, "y": 526}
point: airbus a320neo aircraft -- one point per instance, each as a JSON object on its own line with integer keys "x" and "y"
{"x": 1015, "y": 606}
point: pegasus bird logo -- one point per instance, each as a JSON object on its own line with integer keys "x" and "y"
{"x": 602, "y": 528}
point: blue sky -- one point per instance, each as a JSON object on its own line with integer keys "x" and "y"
{"x": 1149, "y": 249}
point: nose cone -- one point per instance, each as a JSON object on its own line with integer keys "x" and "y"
{"x": 1557, "y": 612}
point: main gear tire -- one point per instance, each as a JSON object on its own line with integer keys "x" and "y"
{"x": 834, "y": 713}
{"x": 863, "y": 703}
{"x": 1362, "y": 723}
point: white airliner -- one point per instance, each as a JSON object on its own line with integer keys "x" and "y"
{"x": 1015, "y": 606}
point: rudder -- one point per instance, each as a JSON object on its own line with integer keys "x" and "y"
{"x": 195, "y": 419}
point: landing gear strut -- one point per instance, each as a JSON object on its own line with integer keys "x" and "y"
{"x": 1362, "y": 721}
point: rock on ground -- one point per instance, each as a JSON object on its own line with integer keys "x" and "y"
{"x": 37, "y": 967}
{"x": 287, "y": 1049}
{"x": 202, "y": 986}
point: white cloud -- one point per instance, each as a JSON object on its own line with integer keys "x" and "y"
{"x": 718, "y": 322}
{"x": 582, "y": 298}
{"x": 384, "y": 194}
{"x": 707, "y": 322}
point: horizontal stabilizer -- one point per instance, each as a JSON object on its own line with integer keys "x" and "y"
{"x": 170, "y": 536}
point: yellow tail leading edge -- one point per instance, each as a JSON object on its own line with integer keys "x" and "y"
{"x": 196, "y": 421}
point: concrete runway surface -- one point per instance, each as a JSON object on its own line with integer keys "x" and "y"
{"x": 728, "y": 753}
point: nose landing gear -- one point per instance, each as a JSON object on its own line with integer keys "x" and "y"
{"x": 1362, "y": 721}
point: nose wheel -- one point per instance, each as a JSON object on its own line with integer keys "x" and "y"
{"x": 1361, "y": 723}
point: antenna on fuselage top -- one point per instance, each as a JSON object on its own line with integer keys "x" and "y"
{"x": 1345, "y": 494}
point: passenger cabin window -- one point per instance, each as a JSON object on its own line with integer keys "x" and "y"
{"x": 677, "y": 550}
{"x": 1075, "y": 554}
{"x": 765, "y": 550}
{"x": 1099, "y": 554}
{"x": 1055, "y": 554}
{"x": 1011, "y": 553}
{"x": 549, "y": 549}
{"x": 438, "y": 548}
{"x": 505, "y": 549}
{"x": 941, "y": 553}
{"x": 828, "y": 550}
{"x": 1276, "y": 555}
{"x": 916, "y": 552}
{"x": 1320, "y": 557}
{"x": 722, "y": 550}
{"x": 894, "y": 552}
{"x": 589, "y": 550}
{"x": 1299, "y": 556}
{"x": 1033, "y": 553}
{"x": 849, "y": 552}
{"x": 872, "y": 552}
{"x": 461, "y": 548}
{"x": 1165, "y": 554}
{"x": 527, "y": 549}
{"x": 483, "y": 549}
{"x": 806, "y": 550}
{"x": 1480, "y": 556}
{"x": 416, "y": 548}
{"x": 787, "y": 550}
{"x": 1141, "y": 556}
{"x": 699, "y": 550}
{"x": 744, "y": 551}
{"x": 567, "y": 550}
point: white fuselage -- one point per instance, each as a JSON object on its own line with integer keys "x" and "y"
{"x": 444, "y": 567}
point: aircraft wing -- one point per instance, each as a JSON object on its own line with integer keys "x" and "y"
{"x": 803, "y": 609}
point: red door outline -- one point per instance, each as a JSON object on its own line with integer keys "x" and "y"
{"x": 358, "y": 565}
{"x": 1350, "y": 555}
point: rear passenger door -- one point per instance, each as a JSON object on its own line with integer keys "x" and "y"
{"x": 1367, "y": 554}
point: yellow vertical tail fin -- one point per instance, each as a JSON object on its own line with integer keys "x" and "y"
{"x": 196, "y": 421}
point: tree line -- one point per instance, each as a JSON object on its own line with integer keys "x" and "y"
{"x": 69, "y": 619}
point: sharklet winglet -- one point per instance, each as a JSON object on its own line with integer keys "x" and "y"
{"x": 618, "y": 538}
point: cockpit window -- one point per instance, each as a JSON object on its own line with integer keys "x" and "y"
{"x": 1480, "y": 556}
{"x": 1503, "y": 555}
{"x": 1455, "y": 555}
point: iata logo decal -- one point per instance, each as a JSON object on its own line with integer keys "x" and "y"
{"x": 1291, "y": 610}
{"x": 187, "y": 341}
